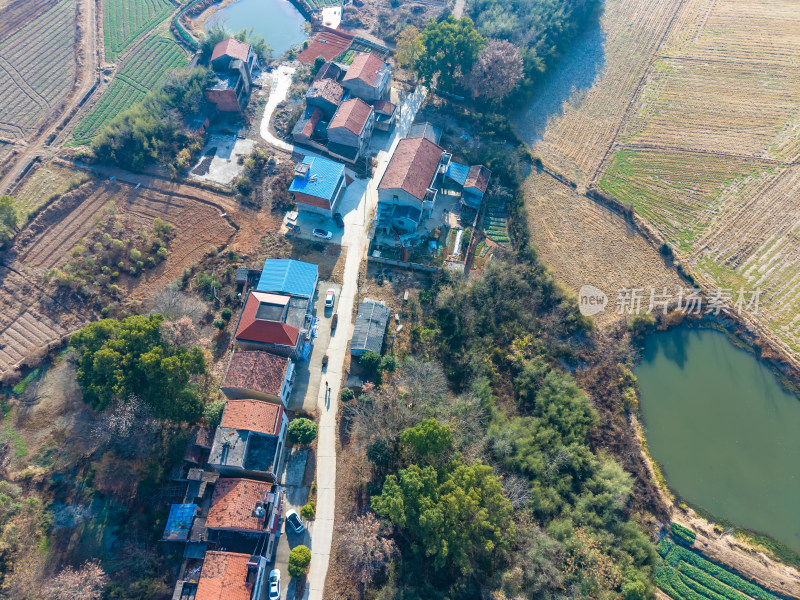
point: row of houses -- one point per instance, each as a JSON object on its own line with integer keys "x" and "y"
{"x": 229, "y": 520}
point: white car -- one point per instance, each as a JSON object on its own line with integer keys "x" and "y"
{"x": 294, "y": 521}
{"x": 330, "y": 296}
{"x": 274, "y": 585}
{"x": 322, "y": 233}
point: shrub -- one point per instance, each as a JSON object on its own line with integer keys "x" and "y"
{"x": 226, "y": 314}
{"x": 309, "y": 510}
{"x": 212, "y": 413}
{"x": 135, "y": 254}
{"x": 220, "y": 324}
{"x": 683, "y": 534}
{"x": 370, "y": 361}
{"x": 302, "y": 431}
{"x": 346, "y": 395}
{"x": 299, "y": 559}
{"x": 162, "y": 252}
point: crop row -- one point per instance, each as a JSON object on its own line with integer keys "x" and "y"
{"x": 142, "y": 73}
{"x": 683, "y": 534}
{"x": 126, "y": 20}
{"x": 686, "y": 575}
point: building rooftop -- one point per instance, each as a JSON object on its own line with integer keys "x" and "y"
{"x": 224, "y": 577}
{"x": 352, "y": 114}
{"x": 328, "y": 43}
{"x": 264, "y": 320}
{"x": 321, "y": 180}
{"x": 413, "y": 166}
{"x": 220, "y": 83}
{"x": 258, "y": 371}
{"x": 179, "y": 522}
{"x": 478, "y": 178}
{"x": 330, "y": 70}
{"x": 457, "y": 172}
{"x": 253, "y": 415}
{"x": 234, "y": 502}
{"x": 231, "y": 47}
{"x": 370, "y": 326}
{"x": 204, "y": 437}
{"x": 384, "y": 107}
{"x": 243, "y": 449}
{"x": 326, "y": 89}
{"x": 366, "y": 68}
{"x": 287, "y": 276}
{"x": 425, "y": 130}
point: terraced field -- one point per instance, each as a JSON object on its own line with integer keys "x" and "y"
{"x": 44, "y": 184}
{"x": 141, "y": 72}
{"x": 37, "y": 69}
{"x": 125, "y": 21}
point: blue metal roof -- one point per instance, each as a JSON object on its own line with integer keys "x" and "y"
{"x": 179, "y": 522}
{"x": 457, "y": 172}
{"x": 323, "y": 177}
{"x": 288, "y": 276}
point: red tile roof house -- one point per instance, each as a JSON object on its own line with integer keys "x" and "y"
{"x": 272, "y": 323}
{"x": 325, "y": 94}
{"x": 368, "y": 77}
{"x": 260, "y": 376}
{"x": 233, "y": 62}
{"x": 384, "y": 114}
{"x": 350, "y": 130}
{"x": 407, "y": 191}
{"x": 475, "y": 186}
{"x": 231, "y": 576}
{"x": 250, "y": 439}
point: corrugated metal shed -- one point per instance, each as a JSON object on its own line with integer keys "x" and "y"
{"x": 286, "y": 276}
{"x": 179, "y": 522}
{"x": 457, "y": 172}
{"x": 322, "y": 179}
{"x": 370, "y": 327}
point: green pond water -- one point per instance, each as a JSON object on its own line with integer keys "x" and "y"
{"x": 278, "y": 21}
{"x": 724, "y": 430}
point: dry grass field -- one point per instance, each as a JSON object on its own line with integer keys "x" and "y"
{"x": 44, "y": 184}
{"x": 37, "y": 64}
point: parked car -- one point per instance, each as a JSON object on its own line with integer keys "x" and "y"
{"x": 274, "y": 584}
{"x": 339, "y": 220}
{"x": 330, "y": 296}
{"x": 334, "y": 320}
{"x": 322, "y": 233}
{"x": 294, "y": 521}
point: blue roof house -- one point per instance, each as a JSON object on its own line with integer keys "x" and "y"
{"x": 318, "y": 185}
{"x": 289, "y": 278}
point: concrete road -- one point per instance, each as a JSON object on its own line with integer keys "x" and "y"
{"x": 281, "y": 81}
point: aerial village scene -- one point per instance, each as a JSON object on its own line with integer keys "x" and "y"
{"x": 399, "y": 299}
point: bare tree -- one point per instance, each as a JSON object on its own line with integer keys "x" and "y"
{"x": 365, "y": 547}
{"x": 174, "y": 304}
{"x": 85, "y": 583}
{"x": 498, "y": 70}
{"x": 517, "y": 490}
{"x": 127, "y": 426}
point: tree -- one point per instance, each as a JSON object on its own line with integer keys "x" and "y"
{"x": 226, "y": 314}
{"x": 370, "y": 361}
{"x": 498, "y": 70}
{"x": 212, "y": 413}
{"x": 120, "y": 358}
{"x": 299, "y": 559}
{"x": 211, "y": 38}
{"x": 346, "y": 395}
{"x": 364, "y": 546}
{"x": 456, "y": 520}
{"x": 302, "y": 431}
{"x": 257, "y": 43}
{"x": 8, "y": 218}
{"x": 309, "y": 510}
{"x": 220, "y": 324}
{"x": 86, "y": 583}
{"x": 409, "y": 47}
{"x": 451, "y": 48}
{"x": 428, "y": 439}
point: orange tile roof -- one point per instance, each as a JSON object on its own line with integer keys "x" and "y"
{"x": 412, "y": 166}
{"x": 252, "y": 329}
{"x": 256, "y": 370}
{"x": 233, "y": 502}
{"x": 224, "y": 577}
{"x": 328, "y": 43}
{"x": 478, "y": 177}
{"x": 253, "y": 415}
{"x": 233, "y": 48}
{"x": 364, "y": 67}
{"x": 352, "y": 114}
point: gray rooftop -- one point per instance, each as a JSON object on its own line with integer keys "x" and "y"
{"x": 370, "y": 327}
{"x": 243, "y": 449}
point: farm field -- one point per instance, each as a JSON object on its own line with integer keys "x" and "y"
{"x": 46, "y": 183}
{"x": 141, "y": 72}
{"x": 37, "y": 67}
{"x": 32, "y": 317}
{"x": 126, "y": 20}
{"x": 587, "y": 244}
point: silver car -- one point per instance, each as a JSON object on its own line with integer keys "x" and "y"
{"x": 274, "y": 585}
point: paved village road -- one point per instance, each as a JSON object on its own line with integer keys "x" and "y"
{"x": 357, "y": 242}
{"x": 281, "y": 81}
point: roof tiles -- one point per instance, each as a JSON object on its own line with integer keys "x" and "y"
{"x": 233, "y": 503}
{"x": 352, "y": 114}
{"x": 252, "y": 415}
{"x": 322, "y": 179}
{"x": 365, "y": 67}
{"x": 412, "y": 167}
{"x": 253, "y": 329}
{"x": 233, "y": 48}
{"x": 258, "y": 371}
{"x": 478, "y": 177}
{"x": 287, "y": 276}
{"x": 224, "y": 577}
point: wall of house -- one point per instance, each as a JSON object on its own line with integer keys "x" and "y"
{"x": 312, "y": 204}
{"x": 225, "y": 100}
{"x": 235, "y": 393}
{"x": 278, "y": 349}
{"x": 341, "y": 135}
{"x": 398, "y": 196}
{"x": 328, "y": 108}
{"x": 367, "y": 92}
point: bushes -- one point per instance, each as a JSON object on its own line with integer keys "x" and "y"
{"x": 212, "y": 413}
{"x": 302, "y": 431}
{"x": 683, "y": 534}
{"x": 309, "y": 511}
{"x": 299, "y": 559}
{"x": 346, "y": 395}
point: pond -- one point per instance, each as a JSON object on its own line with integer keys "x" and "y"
{"x": 278, "y": 21}
{"x": 724, "y": 430}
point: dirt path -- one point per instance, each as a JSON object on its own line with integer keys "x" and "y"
{"x": 87, "y": 75}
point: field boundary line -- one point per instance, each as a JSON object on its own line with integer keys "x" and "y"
{"x": 18, "y": 79}
{"x": 678, "y": 150}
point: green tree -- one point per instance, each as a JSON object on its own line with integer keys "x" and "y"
{"x": 257, "y": 43}
{"x": 302, "y": 431}
{"x": 129, "y": 357}
{"x": 211, "y": 38}
{"x": 220, "y": 324}
{"x": 409, "y": 47}
{"x": 370, "y": 361}
{"x": 451, "y": 48}
{"x": 457, "y": 521}
{"x": 428, "y": 439}
{"x": 212, "y": 413}
{"x": 8, "y": 218}
{"x": 299, "y": 559}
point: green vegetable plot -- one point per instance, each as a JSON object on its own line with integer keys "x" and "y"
{"x": 127, "y": 20}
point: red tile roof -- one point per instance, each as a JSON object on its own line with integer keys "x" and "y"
{"x": 259, "y": 371}
{"x": 478, "y": 177}
{"x": 412, "y": 167}
{"x": 204, "y": 437}
{"x": 384, "y": 107}
{"x": 352, "y": 114}
{"x": 253, "y": 415}
{"x": 364, "y": 67}
{"x": 233, "y": 48}
{"x": 328, "y": 43}
{"x": 313, "y": 121}
{"x": 327, "y": 89}
{"x": 224, "y": 577}
{"x": 266, "y": 332}
{"x": 233, "y": 502}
